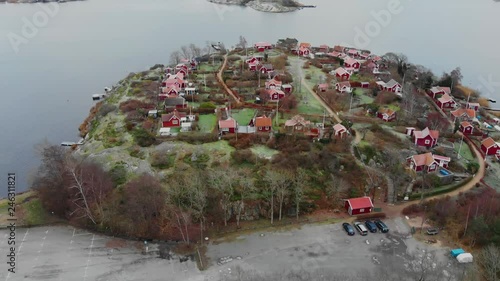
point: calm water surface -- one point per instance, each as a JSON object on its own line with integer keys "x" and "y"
{"x": 46, "y": 87}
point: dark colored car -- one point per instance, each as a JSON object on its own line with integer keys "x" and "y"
{"x": 381, "y": 226}
{"x": 432, "y": 231}
{"x": 348, "y": 228}
{"x": 372, "y": 227}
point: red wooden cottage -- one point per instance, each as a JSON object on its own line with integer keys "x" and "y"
{"x": 490, "y": 147}
{"x": 252, "y": 66}
{"x": 473, "y": 105}
{"x": 446, "y": 101}
{"x": 287, "y": 88}
{"x": 391, "y": 86}
{"x": 343, "y": 87}
{"x": 342, "y": 74}
{"x": 435, "y": 91}
{"x": 172, "y": 119}
{"x": 228, "y": 126}
{"x": 353, "y": 53}
{"x": 427, "y": 138}
{"x": 275, "y": 95}
{"x": 265, "y": 68}
{"x": 428, "y": 161}
{"x": 273, "y": 84}
{"x": 262, "y": 46}
{"x": 324, "y": 48}
{"x": 297, "y": 124}
{"x": 323, "y": 87}
{"x": 303, "y": 51}
{"x": 339, "y": 130}
{"x": 263, "y": 123}
{"x": 386, "y": 114}
{"x": 255, "y": 59}
{"x": 350, "y": 62}
{"x": 466, "y": 128}
{"x": 360, "y": 205}
{"x": 463, "y": 114}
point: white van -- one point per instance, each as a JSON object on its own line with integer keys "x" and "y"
{"x": 361, "y": 228}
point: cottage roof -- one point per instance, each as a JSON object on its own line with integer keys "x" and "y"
{"x": 428, "y": 158}
{"x": 344, "y": 84}
{"x": 426, "y": 132}
{"x": 462, "y": 111}
{"x": 262, "y": 44}
{"x": 392, "y": 83}
{"x": 466, "y": 124}
{"x": 305, "y": 45}
{"x": 488, "y": 142}
{"x": 350, "y": 60}
{"x": 174, "y": 101}
{"x": 297, "y": 120}
{"x": 360, "y": 203}
{"x": 273, "y": 82}
{"x": 339, "y": 128}
{"x": 445, "y": 98}
{"x": 341, "y": 71}
{"x": 172, "y": 115}
{"x": 386, "y": 110}
{"x": 229, "y": 123}
{"x": 263, "y": 121}
{"x": 323, "y": 86}
{"x": 267, "y": 66}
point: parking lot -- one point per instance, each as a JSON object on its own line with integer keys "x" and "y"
{"x": 324, "y": 248}
{"x": 65, "y": 253}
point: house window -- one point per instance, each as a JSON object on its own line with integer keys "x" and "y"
{"x": 427, "y": 141}
{"x": 361, "y": 210}
{"x": 175, "y": 122}
{"x": 267, "y": 128}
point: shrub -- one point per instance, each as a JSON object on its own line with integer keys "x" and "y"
{"x": 207, "y": 105}
{"x": 106, "y": 108}
{"x": 142, "y": 137}
{"x": 162, "y": 160}
{"x": 197, "y": 138}
{"x": 244, "y": 156}
{"x": 371, "y": 216}
{"x": 118, "y": 174}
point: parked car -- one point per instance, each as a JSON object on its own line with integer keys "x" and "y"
{"x": 372, "y": 227}
{"x": 361, "y": 228}
{"x": 432, "y": 231}
{"x": 381, "y": 226}
{"x": 348, "y": 228}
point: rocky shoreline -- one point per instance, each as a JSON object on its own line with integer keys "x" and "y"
{"x": 269, "y": 6}
{"x": 35, "y": 1}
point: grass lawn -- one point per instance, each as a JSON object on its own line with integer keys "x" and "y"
{"x": 308, "y": 104}
{"x": 393, "y": 107}
{"x": 207, "y": 122}
{"x": 243, "y": 116}
{"x": 363, "y": 97}
{"x": 263, "y": 151}
{"x": 35, "y": 213}
{"x": 465, "y": 152}
{"x": 208, "y": 67}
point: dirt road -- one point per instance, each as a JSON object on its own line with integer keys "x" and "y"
{"x": 221, "y": 81}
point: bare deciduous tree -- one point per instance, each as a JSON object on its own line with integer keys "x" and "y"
{"x": 278, "y": 183}
{"x": 223, "y": 182}
{"x": 175, "y": 57}
{"x": 194, "y": 50}
{"x": 246, "y": 190}
{"x": 185, "y": 52}
{"x": 489, "y": 260}
{"x": 299, "y": 184}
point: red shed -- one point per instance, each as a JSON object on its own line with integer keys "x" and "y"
{"x": 466, "y": 128}
{"x": 490, "y": 147}
{"x": 360, "y": 205}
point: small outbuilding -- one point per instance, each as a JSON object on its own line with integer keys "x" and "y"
{"x": 360, "y": 205}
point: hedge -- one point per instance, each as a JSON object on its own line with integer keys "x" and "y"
{"x": 440, "y": 190}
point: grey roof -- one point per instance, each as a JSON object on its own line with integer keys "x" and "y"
{"x": 391, "y": 83}
{"x": 174, "y": 101}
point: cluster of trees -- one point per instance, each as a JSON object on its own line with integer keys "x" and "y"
{"x": 179, "y": 206}
{"x": 473, "y": 217}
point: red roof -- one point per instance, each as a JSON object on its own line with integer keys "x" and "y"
{"x": 360, "y": 203}
{"x": 263, "y": 121}
{"x": 229, "y": 123}
{"x": 488, "y": 142}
